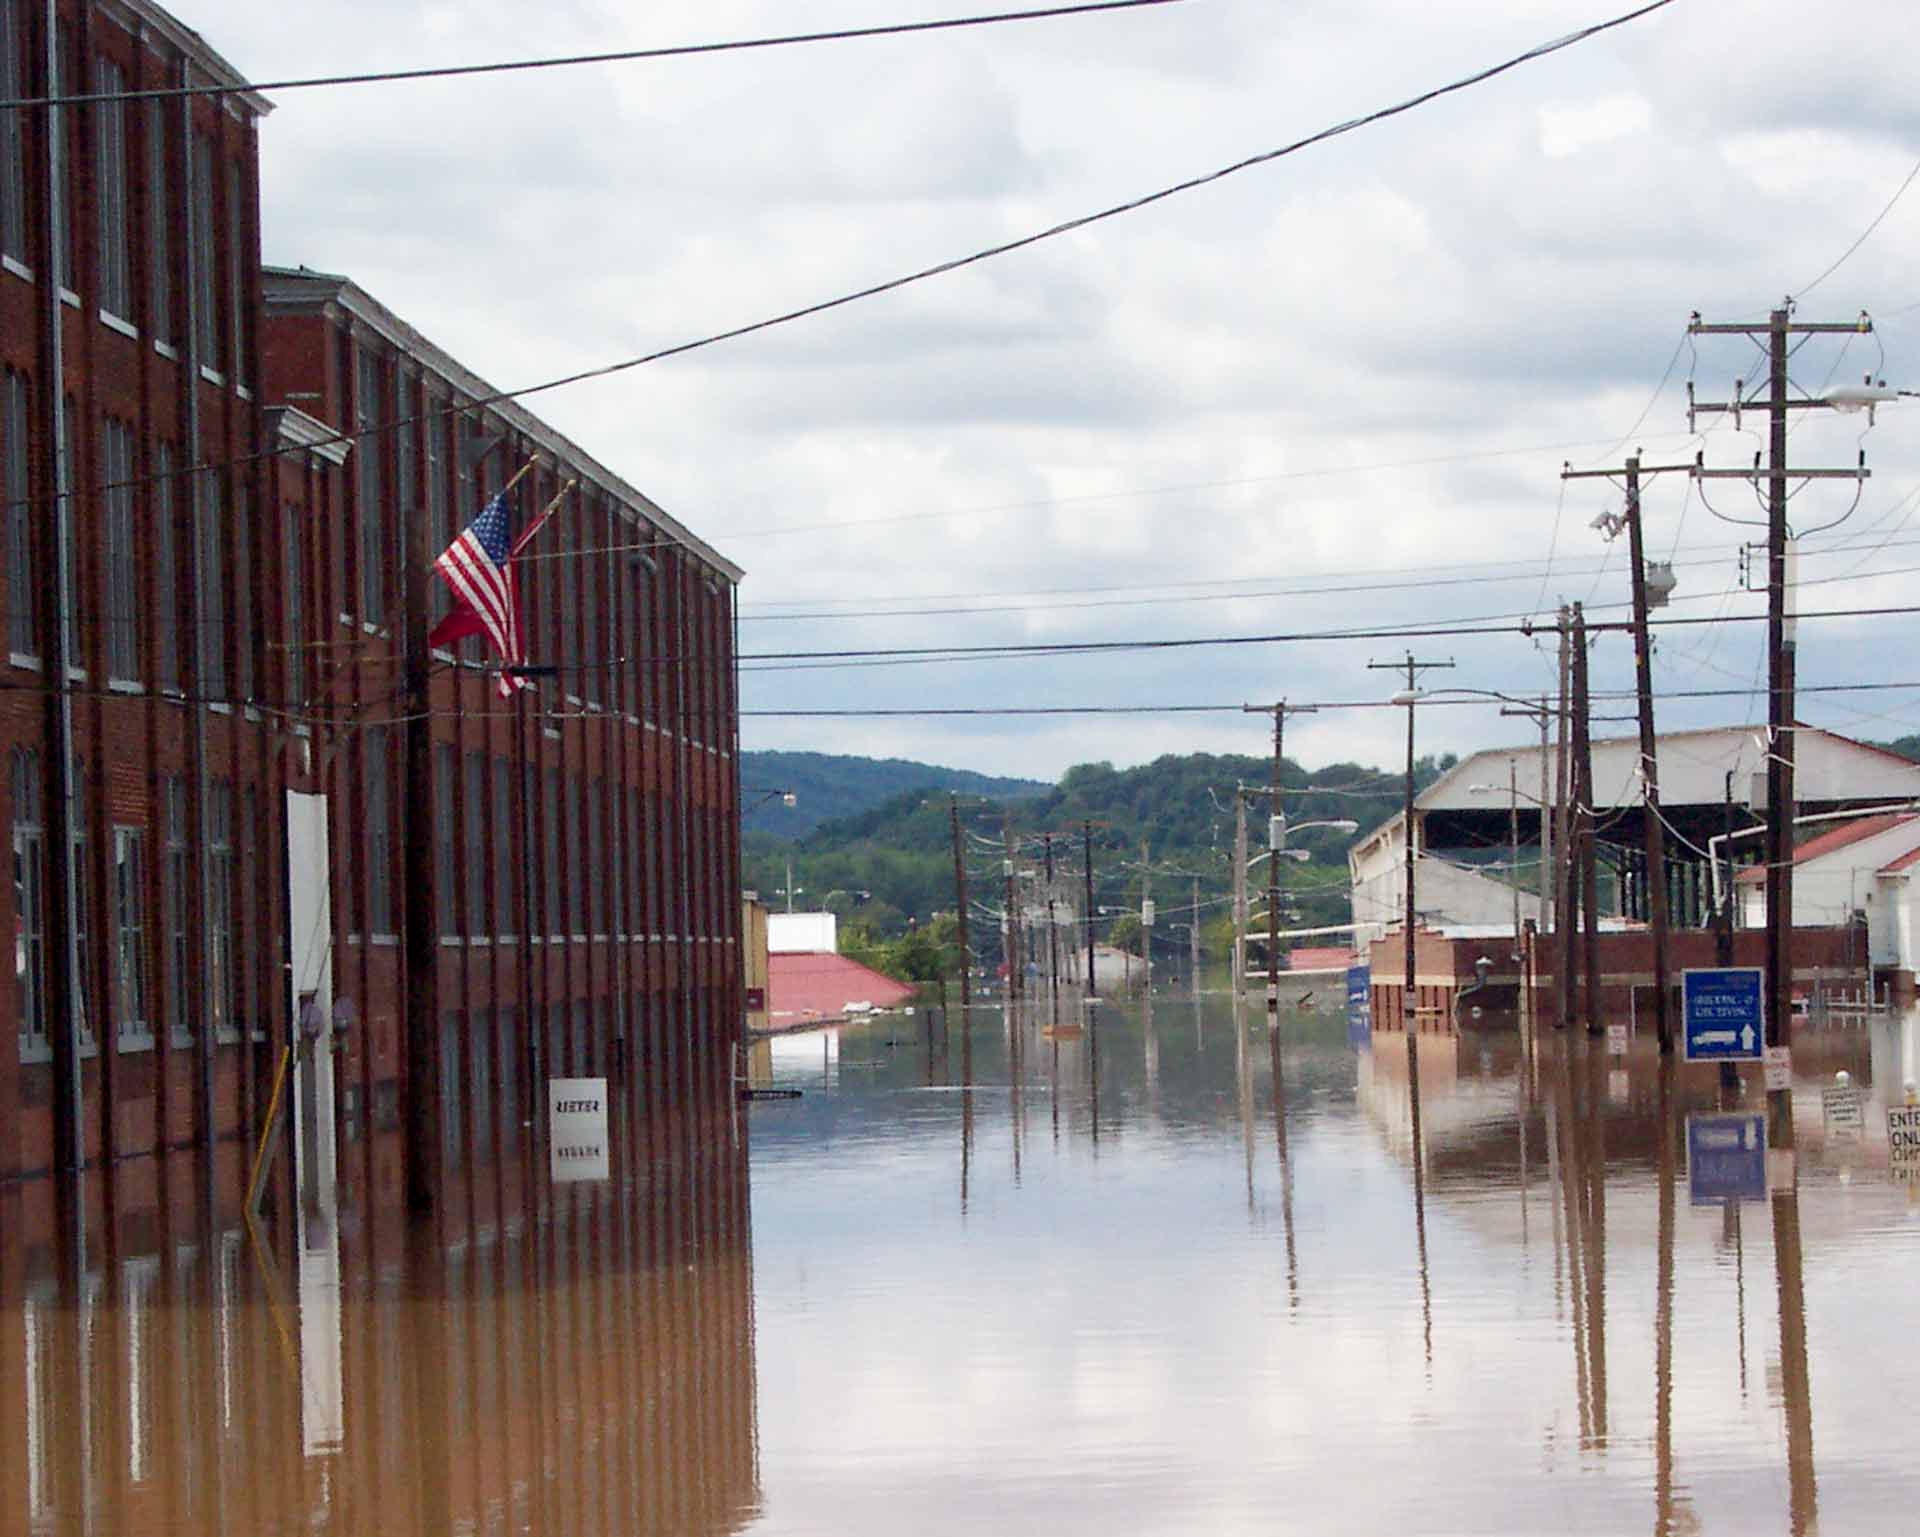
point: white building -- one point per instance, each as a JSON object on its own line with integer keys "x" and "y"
{"x": 1697, "y": 769}
{"x": 1860, "y": 867}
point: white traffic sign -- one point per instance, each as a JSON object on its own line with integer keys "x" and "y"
{"x": 1840, "y": 1108}
{"x": 1616, "y": 1040}
{"x": 1903, "y": 1142}
{"x": 1779, "y": 1069}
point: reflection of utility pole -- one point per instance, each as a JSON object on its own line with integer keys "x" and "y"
{"x": 1053, "y": 930}
{"x": 1011, "y": 930}
{"x": 1583, "y": 818}
{"x": 1663, "y": 1319}
{"x": 1780, "y": 629}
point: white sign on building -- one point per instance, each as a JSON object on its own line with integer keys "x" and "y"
{"x": 577, "y": 1130}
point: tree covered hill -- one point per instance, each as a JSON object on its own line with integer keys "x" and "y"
{"x": 830, "y": 785}
{"x": 890, "y": 863}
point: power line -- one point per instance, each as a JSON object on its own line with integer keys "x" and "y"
{"x": 568, "y": 61}
{"x": 1841, "y": 260}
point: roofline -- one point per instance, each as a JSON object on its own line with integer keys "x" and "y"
{"x": 195, "y": 48}
{"x": 302, "y": 290}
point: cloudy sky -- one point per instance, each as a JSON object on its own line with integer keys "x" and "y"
{"x": 1331, "y": 391}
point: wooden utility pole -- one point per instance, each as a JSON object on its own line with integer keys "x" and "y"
{"x": 960, "y": 909}
{"x": 1586, "y": 851}
{"x": 419, "y": 915}
{"x": 1193, "y": 934}
{"x": 1239, "y": 890}
{"x": 1011, "y": 942}
{"x": 1542, "y": 714}
{"x": 1781, "y": 639}
{"x": 1654, "y": 838}
{"x": 1408, "y": 1007}
{"x": 1086, "y": 835}
{"x": 1276, "y": 847}
{"x": 1053, "y": 928}
{"x": 1566, "y": 905}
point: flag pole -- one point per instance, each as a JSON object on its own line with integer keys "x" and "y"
{"x": 527, "y": 533}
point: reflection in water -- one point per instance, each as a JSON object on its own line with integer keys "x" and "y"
{"x": 587, "y": 1370}
{"x": 1177, "y": 1332}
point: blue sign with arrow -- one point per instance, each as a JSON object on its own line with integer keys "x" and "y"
{"x": 1724, "y": 1013}
{"x": 1726, "y": 1158}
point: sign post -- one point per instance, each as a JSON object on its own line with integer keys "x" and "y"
{"x": 1724, "y": 1013}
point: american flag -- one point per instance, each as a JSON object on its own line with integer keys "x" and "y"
{"x": 478, "y": 567}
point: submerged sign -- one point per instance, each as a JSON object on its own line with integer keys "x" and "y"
{"x": 1903, "y": 1143}
{"x": 1726, "y": 1158}
{"x": 577, "y": 1129}
{"x": 1724, "y": 1017}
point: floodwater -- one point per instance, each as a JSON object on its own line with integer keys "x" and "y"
{"x": 1149, "y": 1276}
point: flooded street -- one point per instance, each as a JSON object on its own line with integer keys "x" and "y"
{"x": 1151, "y": 1276}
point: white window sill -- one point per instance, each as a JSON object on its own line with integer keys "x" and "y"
{"x": 32, "y": 663}
{"x": 25, "y": 273}
{"x": 114, "y": 323}
{"x": 218, "y": 708}
{"x": 213, "y": 376}
{"x": 134, "y": 1041}
{"x": 166, "y": 350}
{"x": 38, "y": 1052}
{"x": 69, "y": 298}
{"x": 125, "y": 686}
{"x": 243, "y": 392}
{"x": 386, "y": 941}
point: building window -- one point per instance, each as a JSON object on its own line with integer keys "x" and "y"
{"x": 550, "y": 853}
{"x": 64, "y": 480}
{"x": 239, "y": 312}
{"x": 110, "y": 187}
{"x": 238, "y": 536}
{"x": 502, "y": 832}
{"x": 123, "y": 607}
{"x": 293, "y": 578}
{"x": 206, "y": 288}
{"x": 376, "y": 775}
{"x": 131, "y": 1022}
{"x": 435, "y": 426}
{"x": 82, "y": 914}
{"x": 30, "y": 906}
{"x": 159, "y": 226}
{"x": 175, "y": 898}
{"x": 254, "y": 917}
{"x": 368, "y": 451}
{"x": 13, "y": 164}
{"x": 165, "y": 573}
{"x": 210, "y": 585}
{"x": 220, "y": 972}
{"x": 474, "y": 806}
{"x": 23, "y": 638}
{"x": 443, "y": 893}
{"x": 576, "y": 851}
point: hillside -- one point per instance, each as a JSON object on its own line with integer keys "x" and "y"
{"x": 831, "y": 785}
{"x": 899, "y": 853}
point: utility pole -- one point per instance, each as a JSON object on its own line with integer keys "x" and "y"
{"x": 1053, "y": 930}
{"x": 1723, "y": 919}
{"x": 1408, "y": 1009}
{"x": 1654, "y": 834}
{"x": 1583, "y": 820}
{"x": 1239, "y": 890}
{"x": 1193, "y": 934}
{"x": 1086, "y": 835}
{"x": 1276, "y": 847}
{"x": 1567, "y": 904}
{"x": 1011, "y": 943}
{"x": 1781, "y": 640}
{"x": 1543, "y": 715}
{"x": 419, "y": 919}
{"x": 1513, "y": 848}
{"x": 960, "y": 908}
{"x": 1146, "y": 911}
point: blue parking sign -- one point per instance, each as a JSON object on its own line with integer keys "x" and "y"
{"x": 1724, "y": 1013}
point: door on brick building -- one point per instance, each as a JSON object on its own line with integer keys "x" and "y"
{"x": 310, "y": 955}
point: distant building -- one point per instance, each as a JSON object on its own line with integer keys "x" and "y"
{"x": 811, "y": 983}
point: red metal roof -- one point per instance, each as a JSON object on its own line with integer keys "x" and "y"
{"x": 1905, "y": 861}
{"x": 820, "y": 986}
{"x": 1320, "y": 958}
{"x": 1837, "y": 838}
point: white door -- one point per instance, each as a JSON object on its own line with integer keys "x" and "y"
{"x": 310, "y": 1001}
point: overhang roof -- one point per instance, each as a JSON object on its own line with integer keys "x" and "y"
{"x": 817, "y": 985}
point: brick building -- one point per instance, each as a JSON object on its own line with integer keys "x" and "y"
{"x": 236, "y": 829}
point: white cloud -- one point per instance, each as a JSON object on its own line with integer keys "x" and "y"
{"x": 1503, "y": 273}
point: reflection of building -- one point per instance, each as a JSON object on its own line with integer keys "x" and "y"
{"x": 237, "y": 803}
{"x": 589, "y": 1368}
